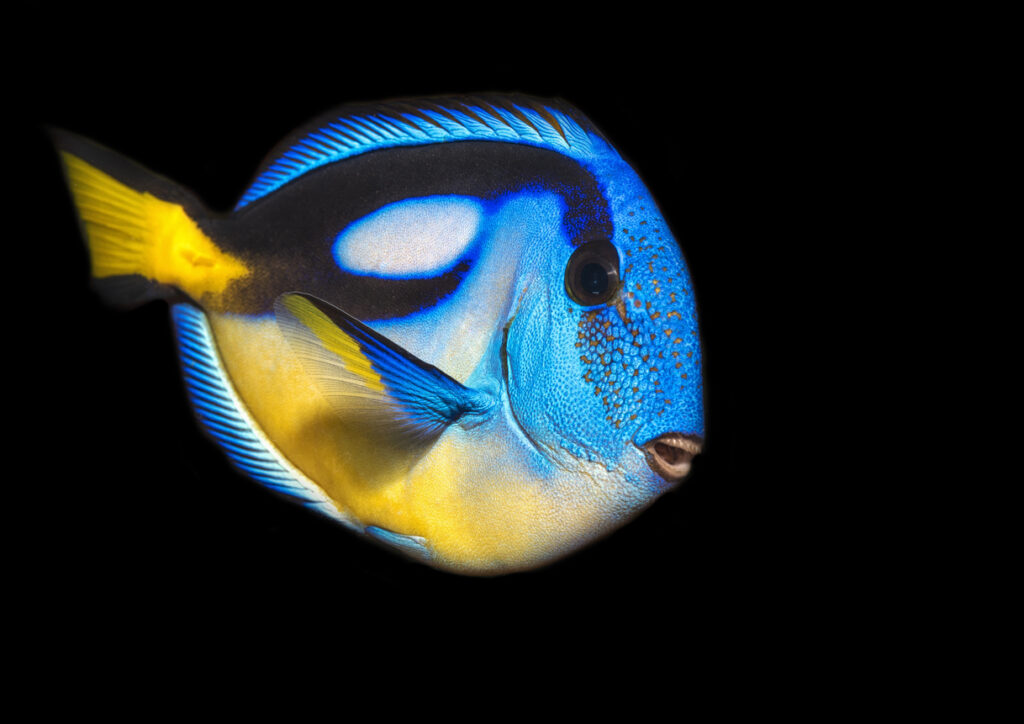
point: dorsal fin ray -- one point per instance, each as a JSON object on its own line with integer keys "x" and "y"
{"x": 356, "y": 129}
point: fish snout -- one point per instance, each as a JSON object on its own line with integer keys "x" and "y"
{"x": 669, "y": 455}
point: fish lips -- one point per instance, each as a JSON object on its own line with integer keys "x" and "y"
{"x": 670, "y": 455}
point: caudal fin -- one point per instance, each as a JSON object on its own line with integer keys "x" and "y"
{"x": 143, "y": 240}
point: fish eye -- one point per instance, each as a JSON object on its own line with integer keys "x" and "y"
{"x": 592, "y": 275}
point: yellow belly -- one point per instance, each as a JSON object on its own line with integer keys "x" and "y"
{"x": 480, "y": 506}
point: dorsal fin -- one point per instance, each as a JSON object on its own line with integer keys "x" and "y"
{"x": 357, "y": 129}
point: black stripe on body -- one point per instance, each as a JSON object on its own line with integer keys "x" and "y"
{"x": 287, "y": 237}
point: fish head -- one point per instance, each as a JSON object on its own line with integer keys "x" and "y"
{"x": 604, "y": 355}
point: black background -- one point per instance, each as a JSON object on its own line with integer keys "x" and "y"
{"x": 138, "y": 524}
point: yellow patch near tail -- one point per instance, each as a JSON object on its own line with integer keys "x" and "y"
{"x": 335, "y": 340}
{"x": 133, "y": 232}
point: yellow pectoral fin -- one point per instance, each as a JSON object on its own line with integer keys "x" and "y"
{"x": 133, "y": 232}
{"x": 371, "y": 380}
{"x": 333, "y": 339}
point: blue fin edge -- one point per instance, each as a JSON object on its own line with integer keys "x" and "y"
{"x": 225, "y": 419}
{"x": 355, "y": 130}
{"x": 412, "y": 545}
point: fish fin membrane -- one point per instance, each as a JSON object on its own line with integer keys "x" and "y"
{"x": 226, "y": 420}
{"x": 142, "y": 227}
{"x": 130, "y": 290}
{"x": 370, "y": 380}
{"x": 412, "y": 545}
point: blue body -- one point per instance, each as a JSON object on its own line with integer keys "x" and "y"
{"x": 459, "y": 326}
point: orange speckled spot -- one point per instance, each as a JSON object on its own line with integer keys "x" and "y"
{"x": 668, "y": 332}
{"x": 597, "y": 390}
{"x": 636, "y": 302}
{"x": 633, "y": 416}
{"x": 655, "y": 315}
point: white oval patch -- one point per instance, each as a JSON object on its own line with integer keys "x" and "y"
{"x": 413, "y": 238}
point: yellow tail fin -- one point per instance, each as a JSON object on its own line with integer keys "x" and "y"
{"x": 133, "y": 233}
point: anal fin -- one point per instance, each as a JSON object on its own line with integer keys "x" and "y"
{"x": 226, "y": 420}
{"x": 412, "y": 545}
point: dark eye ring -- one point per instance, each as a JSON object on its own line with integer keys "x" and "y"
{"x": 592, "y": 275}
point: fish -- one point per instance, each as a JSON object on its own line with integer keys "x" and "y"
{"x": 459, "y": 326}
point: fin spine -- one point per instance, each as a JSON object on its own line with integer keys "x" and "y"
{"x": 360, "y": 129}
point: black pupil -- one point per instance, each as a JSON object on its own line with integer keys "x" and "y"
{"x": 593, "y": 279}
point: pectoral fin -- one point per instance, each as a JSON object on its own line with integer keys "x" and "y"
{"x": 370, "y": 380}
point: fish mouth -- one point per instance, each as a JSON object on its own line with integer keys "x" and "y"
{"x": 670, "y": 455}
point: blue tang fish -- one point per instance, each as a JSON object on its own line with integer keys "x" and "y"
{"x": 458, "y": 326}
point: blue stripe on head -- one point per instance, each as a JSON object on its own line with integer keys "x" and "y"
{"x": 516, "y": 119}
